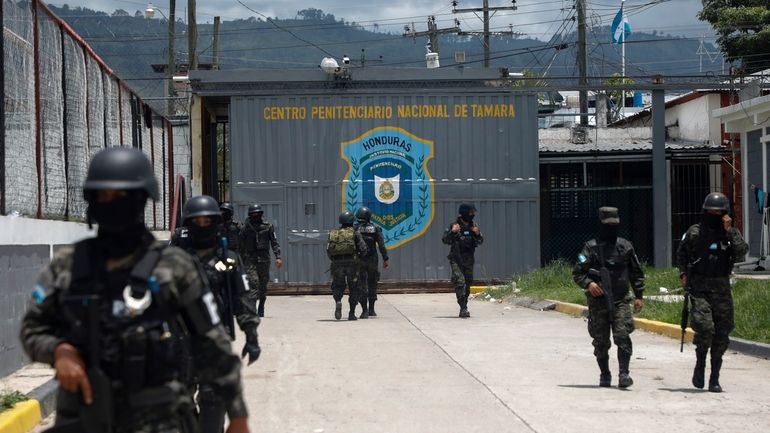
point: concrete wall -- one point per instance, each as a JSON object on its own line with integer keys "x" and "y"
{"x": 694, "y": 119}
{"x": 182, "y": 151}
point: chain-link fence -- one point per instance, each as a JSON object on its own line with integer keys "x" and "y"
{"x": 62, "y": 105}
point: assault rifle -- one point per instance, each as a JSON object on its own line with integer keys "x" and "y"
{"x": 225, "y": 266}
{"x": 605, "y": 281}
{"x": 685, "y": 309}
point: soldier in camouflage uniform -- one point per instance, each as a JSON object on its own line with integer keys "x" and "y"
{"x": 705, "y": 258}
{"x": 230, "y": 229}
{"x": 609, "y": 308}
{"x": 463, "y": 236}
{"x": 112, "y": 313}
{"x": 345, "y": 266}
{"x": 370, "y": 272}
{"x": 224, "y": 271}
{"x": 257, "y": 237}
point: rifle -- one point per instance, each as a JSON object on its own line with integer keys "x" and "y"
{"x": 685, "y": 310}
{"x": 98, "y": 417}
{"x": 603, "y": 274}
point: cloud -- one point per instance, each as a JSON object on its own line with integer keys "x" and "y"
{"x": 538, "y": 19}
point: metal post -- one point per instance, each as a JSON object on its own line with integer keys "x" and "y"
{"x": 215, "y": 60}
{"x": 2, "y": 118}
{"x": 171, "y": 67}
{"x": 192, "y": 36}
{"x": 38, "y": 117}
{"x": 659, "y": 181}
{"x": 486, "y": 33}
{"x": 582, "y": 60}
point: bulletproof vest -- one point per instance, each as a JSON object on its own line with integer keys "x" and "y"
{"x": 217, "y": 282}
{"x": 230, "y": 231}
{"x": 181, "y": 238}
{"x": 466, "y": 242}
{"x": 369, "y": 233}
{"x": 713, "y": 253}
{"x": 342, "y": 242}
{"x": 258, "y": 236}
{"x": 615, "y": 260}
{"x": 134, "y": 351}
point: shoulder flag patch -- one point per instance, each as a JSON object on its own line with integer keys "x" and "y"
{"x": 582, "y": 258}
{"x": 38, "y": 293}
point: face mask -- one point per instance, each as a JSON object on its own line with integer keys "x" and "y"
{"x": 227, "y": 216}
{"x": 256, "y": 218}
{"x": 121, "y": 229}
{"x": 468, "y": 217}
{"x": 203, "y": 237}
{"x": 608, "y": 233}
{"x": 713, "y": 221}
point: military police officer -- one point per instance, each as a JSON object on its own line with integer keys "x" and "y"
{"x": 370, "y": 273}
{"x": 224, "y": 271}
{"x": 463, "y": 236}
{"x": 257, "y": 237}
{"x": 345, "y": 248}
{"x": 705, "y": 258}
{"x": 110, "y": 313}
{"x": 230, "y": 228}
{"x": 606, "y": 267}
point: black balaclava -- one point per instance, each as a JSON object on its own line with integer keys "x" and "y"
{"x": 256, "y": 217}
{"x": 467, "y": 212}
{"x": 227, "y": 216}
{"x": 608, "y": 233}
{"x": 121, "y": 223}
{"x": 203, "y": 237}
{"x": 712, "y": 221}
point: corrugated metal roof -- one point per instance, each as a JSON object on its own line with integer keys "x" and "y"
{"x": 556, "y": 146}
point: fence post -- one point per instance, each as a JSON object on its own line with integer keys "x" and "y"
{"x": 38, "y": 129}
{"x": 660, "y": 225}
{"x": 2, "y": 115}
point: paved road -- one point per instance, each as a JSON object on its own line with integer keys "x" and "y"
{"x": 418, "y": 368}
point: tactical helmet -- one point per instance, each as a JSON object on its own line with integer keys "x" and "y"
{"x": 201, "y": 205}
{"x": 466, "y": 208}
{"x": 254, "y": 209}
{"x": 347, "y": 218}
{"x": 364, "y": 214}
{"x": 227, "y": 207}
{"x": 121, "y": 168}
{"x": 716, "y": 201}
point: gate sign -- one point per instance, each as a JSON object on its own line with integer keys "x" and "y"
{"x": 388, "y": 173}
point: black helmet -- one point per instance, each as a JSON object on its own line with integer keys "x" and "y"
{"x": 227, "y": 207}
{"x": 123, "y": 168}
{"x": 347, "y": 218}
{"x": 716, "y": 201}
{"x": 364, "y": 214}
{"x": 466, "y": 208}
{"x": 201, "y": 205}
{"x": 255, "y": 208}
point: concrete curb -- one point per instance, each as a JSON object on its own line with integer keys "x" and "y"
{"x": 25, "y": 416}
{"x": 746, "y": 347}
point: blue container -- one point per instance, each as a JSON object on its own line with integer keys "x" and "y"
{"x": 638, "y": 101}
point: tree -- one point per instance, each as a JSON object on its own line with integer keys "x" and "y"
{"x": 120, "y": 13}
{"x": 743, "y": 29}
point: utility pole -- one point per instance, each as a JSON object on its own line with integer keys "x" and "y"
{"x": 171, "y": 68}
{"x": 432, "y": 33}
{"x": 192, "y": 36}
{"x": 582, "y": 61}
{"x": 485, "y": 10}
{"x": 215, "y": 61}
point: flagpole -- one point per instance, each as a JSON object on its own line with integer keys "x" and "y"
{"x": 623, "y": 56}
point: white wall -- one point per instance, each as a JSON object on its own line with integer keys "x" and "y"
{"x": 695, "y": 121}
{"x": 29, "y": 231}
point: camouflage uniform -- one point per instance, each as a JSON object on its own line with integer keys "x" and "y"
{"x": 255, "y": 242}
{"x": 461, "y": 258}
{"x": 370, "y": 272}
{"x": 345, "y": 271}
{"x": 620, "y": 259}
{"x": 707, "y": 256}
{"x": 180, "y": 238}
{"x": 231, "y": 230}
{"x": 182, "y": 313}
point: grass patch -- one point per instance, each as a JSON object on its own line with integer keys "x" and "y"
{"x": 8, "y": 399}
{"x": 751, "y": 297}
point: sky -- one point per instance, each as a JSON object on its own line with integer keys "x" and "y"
{"x": 538, "y": 19}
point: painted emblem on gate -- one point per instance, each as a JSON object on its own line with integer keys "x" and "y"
{"x": 388, "y": 173}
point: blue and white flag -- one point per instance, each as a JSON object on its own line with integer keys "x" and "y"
{"x": 620, "y": 33}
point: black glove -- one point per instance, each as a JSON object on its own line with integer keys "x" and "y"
{"x": 252, "y": 349}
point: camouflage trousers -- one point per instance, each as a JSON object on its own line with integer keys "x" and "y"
{"x": 621, "y": 326}
{"x": 711, "y": 315}
{"x": 258, "y": 273}
{"x": 345, "y": 275}
{"x": 462, "y": 278}
{"x": 368, "y": 278}
{"x": 212, "y": 411}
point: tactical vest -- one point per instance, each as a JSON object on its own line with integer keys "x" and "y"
{"x": 342, "y": 242}
{"x": 135, "y": 351}
{"x": 713, "y": 254}
{"x": 369, "y": 233}
{"x": 258, "y": 239}
{"x": 614, "y": 257}
{"x": 466, "y": 242}
{"x": 230, "y": 231}
{"x": 218, "y": 281}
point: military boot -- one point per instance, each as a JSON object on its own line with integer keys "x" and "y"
{"x": 372, "y": 313}
{"x": 716, "y": 365}
{"x": 699, "y": 372}
{"x": 338, "y": 310}
{"x": 364, "y": 311}
{"x": 605, "y": 377}
{"x": 352, "y": 314}
{"x": 261, "y": 308}
{"x": 464, "y": 313}
{"x": 624, "y": 378}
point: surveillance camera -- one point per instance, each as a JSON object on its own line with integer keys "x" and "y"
{"x": 345, "y": 60}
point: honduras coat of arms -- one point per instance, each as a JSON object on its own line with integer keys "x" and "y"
{"x": 388, "y": 173}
